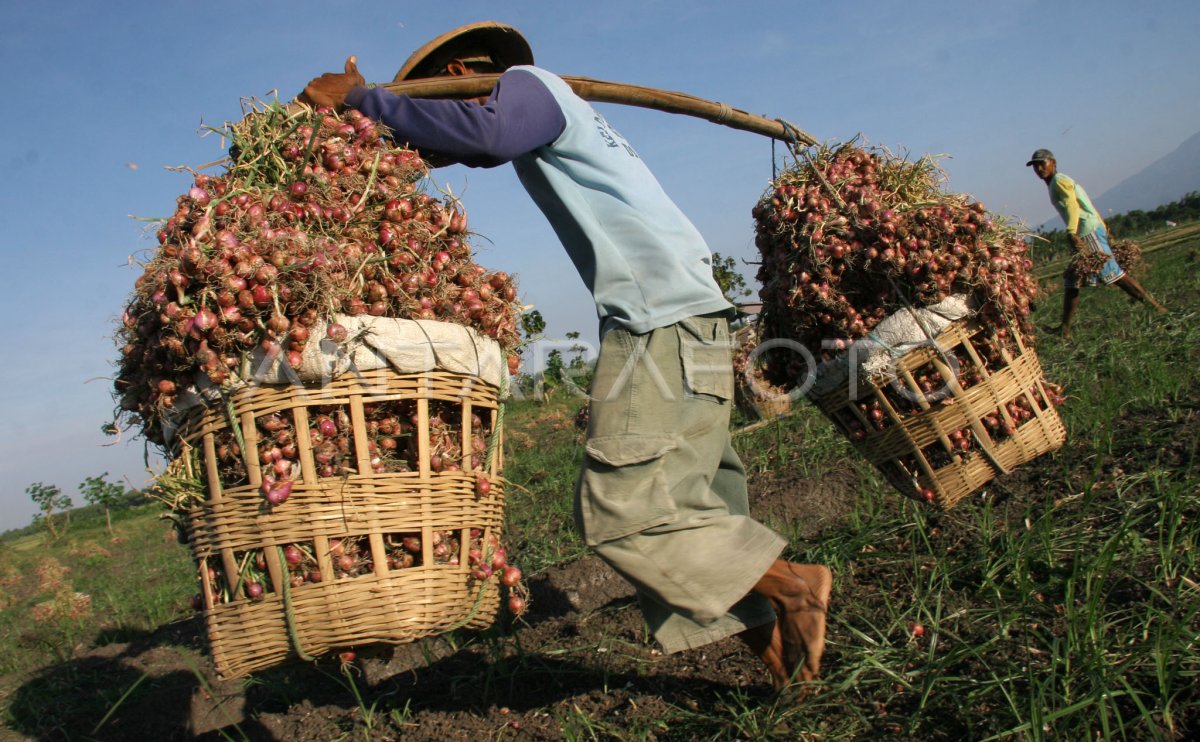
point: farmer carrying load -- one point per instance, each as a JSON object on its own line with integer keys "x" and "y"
{"x": 662, "y": 494}
{"x": 1087, "y": 232}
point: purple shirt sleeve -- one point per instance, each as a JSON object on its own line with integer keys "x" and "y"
{"x": 519, "y": 116}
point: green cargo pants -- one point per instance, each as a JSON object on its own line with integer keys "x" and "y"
{"x": 662, "y": 494}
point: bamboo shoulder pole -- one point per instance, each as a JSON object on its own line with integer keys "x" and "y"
{"x": 669, "y": 101}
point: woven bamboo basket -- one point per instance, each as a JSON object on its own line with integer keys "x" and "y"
{"x": 762, "y": 403}
{"x": 754, "y": 396}
{"x": 410, "y": 524}
{"x": 989, "y": 413}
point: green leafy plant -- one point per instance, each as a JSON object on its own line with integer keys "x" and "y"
{"x": 107, "y": 495}
{"x": 50, "y": 500}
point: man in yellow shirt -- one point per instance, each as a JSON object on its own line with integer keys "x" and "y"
{"x": 1087, "y": 232}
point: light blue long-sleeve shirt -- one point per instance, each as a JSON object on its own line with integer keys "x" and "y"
{"x": 645, "y": 263}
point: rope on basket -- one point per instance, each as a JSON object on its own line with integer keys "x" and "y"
{"x": 475, "y": 606}
{"x": 489, "y": 457}
{"x": 975, "y": 423}
{"x": 498, "y": 427}
{"x": 917, "y": 320}
{"x": 231, "y": 415}
{"x": 474, "y": 348}
{"x": 289, "y": 614}
{"x": 793, "y": 137}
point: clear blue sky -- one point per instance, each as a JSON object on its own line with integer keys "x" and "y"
{"x": 103, "y": 96}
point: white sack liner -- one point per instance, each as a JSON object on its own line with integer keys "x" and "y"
{"x": 874, "y": 356}
{"x": 407, "y": 346}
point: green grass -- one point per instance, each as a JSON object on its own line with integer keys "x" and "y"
{"x": 1063, "y": 604}
{"x": 543, "y": 451}
{"x": 136, "y": 579}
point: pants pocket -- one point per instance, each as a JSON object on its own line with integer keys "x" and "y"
{"x": 623, "y": 487}
{"x": 706, "y": 355}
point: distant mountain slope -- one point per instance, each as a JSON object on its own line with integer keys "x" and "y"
{"x": 1162, "y": 182}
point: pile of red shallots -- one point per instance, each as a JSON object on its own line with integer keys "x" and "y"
{"x": 850, "y": 235}
{"x": 1088, "y": 264}
{"x": 317, "y": 214}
